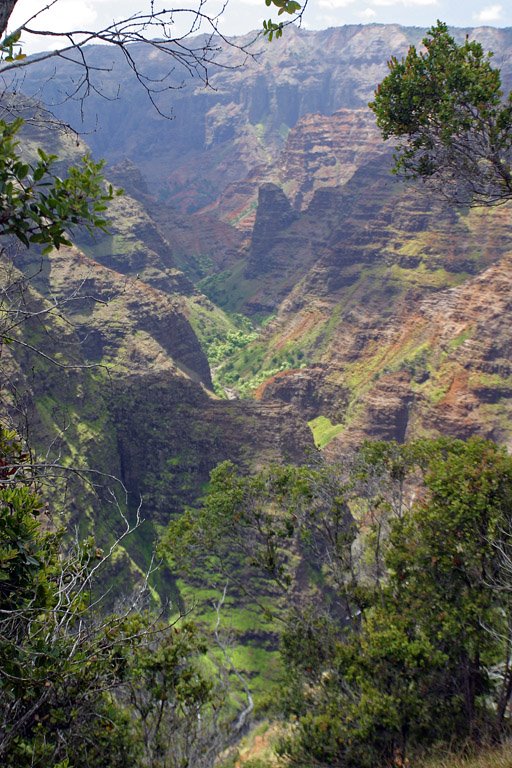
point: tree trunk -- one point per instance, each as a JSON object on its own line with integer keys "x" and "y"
{"x": 505, "y": 697}
{"x": 6, "y": 8}
{"x": 472, "y": 674}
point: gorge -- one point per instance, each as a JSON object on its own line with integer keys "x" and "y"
{"x": 266, "y": 293}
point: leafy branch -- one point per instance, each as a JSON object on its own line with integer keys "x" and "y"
{"x": 36, "y": 205}
{"x": 273, "y": 29}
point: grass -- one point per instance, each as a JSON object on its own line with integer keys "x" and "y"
{"x": 208, "y": 322}
{"x": 496, "y": 757}
{"x": 262, "y": 670}
{"x": 256, "y": 751}
{"x": 461, "y": 338}
{"x": 110, "y": 245}
{"x": 495, "y": 381}
{"x": 247, "y": 366}
{"x": 324, "y": 430}
{"x": 230, "y": 343}
{"x": 260, "y": 666}
{"x": 229, "y": 289}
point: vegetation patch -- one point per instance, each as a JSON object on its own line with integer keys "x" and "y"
{"x": 459, "y": 340}
{"x": 324, "y": 430}
{"x": 229, "y": 289}
{"x": 492, "y": 757}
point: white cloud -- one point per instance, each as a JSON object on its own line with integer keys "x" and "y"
{"x": 68, "y": 15}
{"x": 61, "y": 16}
{"x": 489, "y": 13}
{"x": 405, "y": 3}
{"x": 335, "y": 4}
{"x": 368, "y": 13}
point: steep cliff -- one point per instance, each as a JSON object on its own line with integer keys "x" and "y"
{"x": 406, "y": 318}
{"x": 350, "y": 279}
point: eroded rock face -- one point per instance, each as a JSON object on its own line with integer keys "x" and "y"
{"x": 274, "y": 215}
{"x": 171, "y": 435}
{"x": 325, "y": 151}
{"x": 437, "y": 362}
{"x": 308, "y": 390}
{"x": 123, "y": 322}
{"x": 129, "y": 401}
{"x": 129, "y": 398}
{"x": 352, "y": 280}
{"x": 320, "y": 152}
{"x": 219, "y": 135}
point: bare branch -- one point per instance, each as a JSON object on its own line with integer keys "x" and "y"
{"x": 191, "y": 52}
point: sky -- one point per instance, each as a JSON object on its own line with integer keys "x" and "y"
{"x": 241, "y": 16}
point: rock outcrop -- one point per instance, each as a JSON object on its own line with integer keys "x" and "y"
{"x": 273, "y": 216}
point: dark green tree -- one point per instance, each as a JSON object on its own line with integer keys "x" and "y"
{"x": 445, "y": 107}
{"x": 58, "y": 665}
{"x": 37, "y": 206}
{"x": 445, "y": 564}
{"x": 430, "y": 661}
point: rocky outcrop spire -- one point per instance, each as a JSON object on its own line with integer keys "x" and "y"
{"x": 274, "y": 215}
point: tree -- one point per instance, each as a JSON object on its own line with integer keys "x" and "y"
{"x": 431, "y": 659}
{"x": 36, "y": 205}
{"x": 404, "y": 640}
{"x": 81, "y": 686}
{"x": 254, "y": 526}
{"x": 57, "y": 665}
{"x": 445, "y": 107}
{"x": 445, "y": 563}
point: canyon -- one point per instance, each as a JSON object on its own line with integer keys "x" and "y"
{"x": 267, "y": 289}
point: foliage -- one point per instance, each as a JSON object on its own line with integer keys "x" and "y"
{"x": 37, "y": 205}
{"x": 405, "y": 642}
{"x": 444, "y": 105}
{"x": 80, "y": 687}
{"x": 8, "y": 52}
{"x": 447, "y": 568}
{"x": 221, "y": 348}
{"x": 20, "y": 547}
{"x": 324, "y": 430}
{"x": 417, "y": 670}
{"x": 179, "y": 713}
{"x": 236, "y": 516}
{"x": 270, "y": 28}
{"x": 497, "y": 756}
{"x": 261, "y": 521}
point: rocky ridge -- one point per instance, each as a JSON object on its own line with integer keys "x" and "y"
{"x": 416, "y": 348}
{"x": 221, "y": 134}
